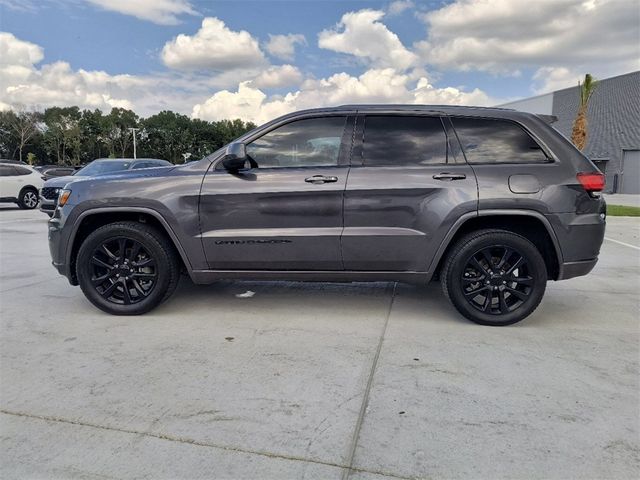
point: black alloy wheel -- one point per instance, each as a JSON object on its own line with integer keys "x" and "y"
{"x": 127, "y": 268}
{"x": 123, "y": 271}
{"x": 494, "y": 277}
{"x": 496, "y": 280}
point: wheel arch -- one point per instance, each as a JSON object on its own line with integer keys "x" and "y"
{"x": 527, "y": 223}
{"x": 89, "y": 220}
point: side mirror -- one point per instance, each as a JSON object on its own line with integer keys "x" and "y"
{"x": 235, "y": 157}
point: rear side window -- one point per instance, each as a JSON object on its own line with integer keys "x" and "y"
{"x": 7, "y": 171}
{"x": 497, "y": 141}
{"x": 22, "y": 171}
{"x": 403, "y": 141}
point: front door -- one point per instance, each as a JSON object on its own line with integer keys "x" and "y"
{"x": 284, "y": 213}
{"x": 412, "y": 184}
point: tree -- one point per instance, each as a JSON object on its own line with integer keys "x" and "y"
{"x": 25, "y": 125}
{"x": 62, "y": 135}
{"x": 580, "y": 125}
{"x": 116, "y": 130}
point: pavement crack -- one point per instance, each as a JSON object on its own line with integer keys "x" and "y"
{"x": 189, "y": 441}
{"x": 365, "y": 400}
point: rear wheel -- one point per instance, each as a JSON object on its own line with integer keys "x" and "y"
{"x": 494, "y": 277}
{"x": 28, "y": 199}
{"x": 127, "y": 268}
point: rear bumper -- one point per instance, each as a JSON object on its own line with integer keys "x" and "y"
{"x": 576, "y": 269}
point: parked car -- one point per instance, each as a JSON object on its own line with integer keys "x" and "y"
{"x": 19, "y": 184}
{"x": 101, "y": 166}
{"x": 52, "y": 172}
{"x": 14, "y": 162}
{"x": 492, "y": 202}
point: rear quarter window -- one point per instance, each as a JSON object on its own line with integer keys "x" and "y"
{"x": 497, "y": 141}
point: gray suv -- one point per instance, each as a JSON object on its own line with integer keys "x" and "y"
{"x": 491, "y": 202}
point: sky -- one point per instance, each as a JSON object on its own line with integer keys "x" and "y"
{"x": 258, "y": 59}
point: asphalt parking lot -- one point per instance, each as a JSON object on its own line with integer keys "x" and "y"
{"x": 364, "y": 381}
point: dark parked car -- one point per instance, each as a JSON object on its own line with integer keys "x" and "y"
{"x": 492, "y": 202}
{"x": 53, "y": 172}
{"x": 102, "y": 166}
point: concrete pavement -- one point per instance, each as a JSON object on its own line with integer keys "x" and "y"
{"x": 364, "y": 381}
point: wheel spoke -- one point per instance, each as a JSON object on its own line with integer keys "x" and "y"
{"x": 147, "y": 262}
{"x": 516, "y": 265}
{"x": 477, "y": 265}
{"x": 143, "y": 276}
{"x": 108, "y": 252}
{"x": 517, "y": 293}
{"x": 475, "y": 292}
{"x": 505, "y": 257}
{"x": 487, "y": 256}
{"x": 122, "y": 248}
{"x": 524, "y": 280}
{"x": 134, "y": 251}
{"x": 126, "y": 294}
{"x": 487, "y": 302}
{"x": 502, "y": 302}
{"x": 106, "y": 293}
{"x": 473, "y": 279}
{"x": 139, "y": 288}
{"x": 101, "y": 279}
{"x": 96, "y": 261}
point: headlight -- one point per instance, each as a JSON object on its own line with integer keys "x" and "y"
{"x": 63, "y": 197}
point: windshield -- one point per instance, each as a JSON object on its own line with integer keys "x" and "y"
{"x": 100, "y": 167}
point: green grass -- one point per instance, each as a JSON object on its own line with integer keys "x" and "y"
{"x": 623, "y": 211}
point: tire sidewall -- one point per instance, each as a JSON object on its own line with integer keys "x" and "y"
{"x": 536, "y": 267}
{"x": 153, "y": 247}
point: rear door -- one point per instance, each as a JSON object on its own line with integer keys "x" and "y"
{"x": 408, "y": 184}
{"x": 285, "y": 213}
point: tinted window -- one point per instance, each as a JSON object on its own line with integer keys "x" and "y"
{"x": 496, "y": 141}
{"x": 304, "y": 143}
{"x": 22, "y": 170}
{"x": 395, "y": 140}
{"x": 100, "y": 167}
{"x": 142, "y": 165}
{"x": 7, "y": 171}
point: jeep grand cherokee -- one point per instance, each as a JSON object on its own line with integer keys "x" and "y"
{"x": 492, "y": 202}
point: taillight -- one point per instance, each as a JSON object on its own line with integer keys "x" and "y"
{"x": 591, "y": 181}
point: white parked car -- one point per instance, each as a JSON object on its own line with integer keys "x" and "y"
{"x": 20, "y": 184}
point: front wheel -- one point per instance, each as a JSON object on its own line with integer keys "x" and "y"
{"x": 28, "y": 199}
{"x": 127, "y": 268}
{"x": 494, "y": 277}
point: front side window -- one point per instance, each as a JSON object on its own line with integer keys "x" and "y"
{"x": 311, "y": 142}
{"x": 409, "y": 140}
{"x": 497, "y": 141}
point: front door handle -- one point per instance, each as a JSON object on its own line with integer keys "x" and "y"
{"x": 320, "y": 179}
{"x": 449, "y": 176}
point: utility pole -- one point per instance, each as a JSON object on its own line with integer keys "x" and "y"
{"x": 133, "y": 131}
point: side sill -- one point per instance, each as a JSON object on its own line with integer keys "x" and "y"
{"x": 210, "y": 276}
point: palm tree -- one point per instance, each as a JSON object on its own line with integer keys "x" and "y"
{"x": 579, "y": 133}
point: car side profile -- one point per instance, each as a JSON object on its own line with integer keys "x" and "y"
{"x": 19, "y": 184}
{"x": 491, "y": 202}
{"x": 54, "y": 182}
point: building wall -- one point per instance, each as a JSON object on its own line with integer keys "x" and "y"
{"x": 613, "y": 117}
{"x": 542, "y": 104}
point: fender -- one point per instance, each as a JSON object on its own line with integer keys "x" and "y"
{"x": 496, "y": 212}
{"x": 145, "y": 210}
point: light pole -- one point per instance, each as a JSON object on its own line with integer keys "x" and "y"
{"x": 133, "y": 131}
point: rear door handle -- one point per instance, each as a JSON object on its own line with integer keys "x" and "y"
{"x": 321, "y": 179}
{"x": 449, "y": 176}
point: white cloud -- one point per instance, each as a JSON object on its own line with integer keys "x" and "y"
{"x": 213, "y": 47}
{"x": 502, "y": 36}
{"x": 284, "y": 46}
{"x": 549, "y": 79}
{"x": 399, "y": 6}
{"x": 14, "y": 51}
{"x": 373, "y": 86}
{"x": 363, "y": 35}
{"x": 278, "y": 76}
{"x": 163, "y": 12}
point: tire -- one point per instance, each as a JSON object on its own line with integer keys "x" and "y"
{"x": 28, "y": 199}
{"x": 497, "y": 294}
{"x": 132, "y": 254}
